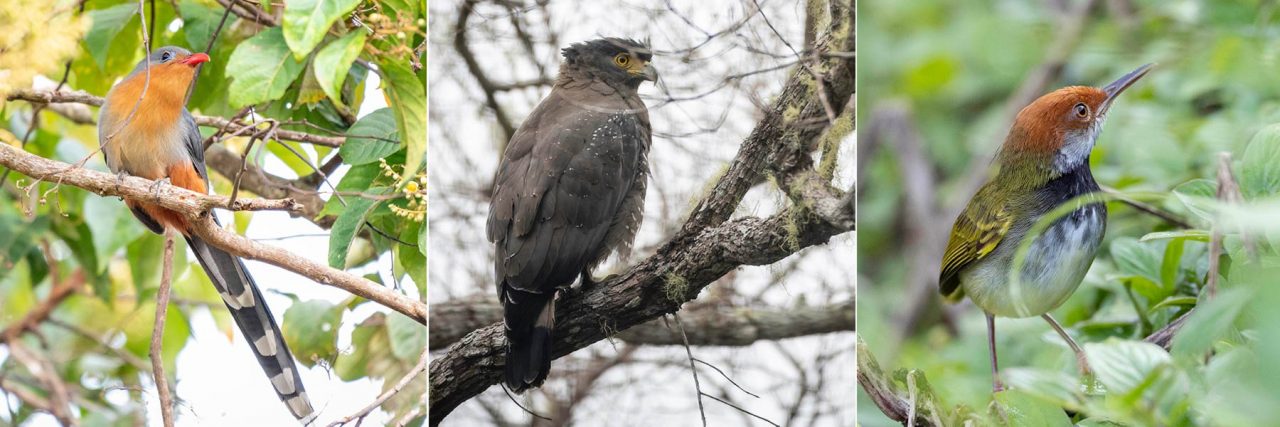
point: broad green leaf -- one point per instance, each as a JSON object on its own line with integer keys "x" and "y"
{"x": 1197, "y": 195}
{"x": 370, "y": 139}
{"x": 107, "y": 24}
{"x": 311, "y": 330}
{"x": 367, "y": 339}
{"x": 145, "y": 255}
{"x": 306, "y": 22}
{"x": 112, "y": 224}
{"x": 199, "y": 22}
{"x": 1210, "y": 322}
{"x": 1260, "y": 164}
{"x": 1123, "y": 365}
{"x": 408, "y": 338}
{"x": 345, "y": 228}
{"x": 333, "y": 62}
{"x": 408, "y": 96}
{"x": 1026, "y": 410}
{"x": 1055, "y": 387}
{"x": 261, "y": 69}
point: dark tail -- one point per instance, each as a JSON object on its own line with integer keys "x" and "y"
{"x": 529, "y": 318}
{"x": 250, "y": 312}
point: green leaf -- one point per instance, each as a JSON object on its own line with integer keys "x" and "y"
{"x": 112, "y": 224}
{"x": 1210, "y": 322}
{"x": 1175, "y": 301}
{"x": 306, "y": 22}
{"x": 311, "y": 330}
{"x": 107, "y": 24}
{"x": 145, "y": 254}
{"x": 334, "y": 61}
{"x": 1025, "y": 410}
{"x": 371, "y": 138}
{"x": 1058, "y": 388}
{"x": 1197, "y": 195}
{"x": 1124, "y": 365}
{"x": 1194, "y": 235}
{"x": 345, "y": 229}
{"x": 407, "y": 94}
{"x": 365, "y": 339}
{"x": 261, "y": 69}
{"x": 1143, "y": 261}
{"x": 1260, "y": 165}
{"x": 408, "y": 338}
{"x": 199, "y": 22}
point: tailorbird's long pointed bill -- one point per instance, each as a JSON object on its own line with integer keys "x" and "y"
{"x": 1114, "y": 89}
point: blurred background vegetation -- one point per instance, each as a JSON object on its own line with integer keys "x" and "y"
{"x": 938, "y": 91}
{"x": 350, "y": 67}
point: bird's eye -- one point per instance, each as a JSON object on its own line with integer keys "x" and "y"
{"x": 622, "y": 60}
{"x": 165, "y": 57}
{"x": 1082, "y": 110}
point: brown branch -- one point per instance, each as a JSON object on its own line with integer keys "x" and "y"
{"x": 157, "y": 333}
{"x": 81, "y": 97}
{"x": 195, "y": 207}
{"x": 382, "y": 398}
{"x": 104, "y": 184}
{"x": 705, "y": 325}
{"x": 242, "y": 247}
{"x": 59, "y": 293}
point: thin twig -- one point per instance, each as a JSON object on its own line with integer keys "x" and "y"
{"x": 693, "y": 368}
{"x": 157, "y": 332}
{"x": 382, "y": 398}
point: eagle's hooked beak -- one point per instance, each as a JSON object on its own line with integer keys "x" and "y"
{"x": 649, "y": 73}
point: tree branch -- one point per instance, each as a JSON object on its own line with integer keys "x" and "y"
{"x": 195, "y": 207}
{"x": 705, "y": 325}
{"x": 157, "y": 333}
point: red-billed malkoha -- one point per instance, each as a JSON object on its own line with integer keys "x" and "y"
{"x": 145, "y": 130}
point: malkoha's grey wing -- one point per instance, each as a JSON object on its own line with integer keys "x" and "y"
{"x": 561, "y": 187}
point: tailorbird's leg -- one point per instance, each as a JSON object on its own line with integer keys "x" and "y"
{"x": 996, "y": 385}
{"x": 1084, "y": 363}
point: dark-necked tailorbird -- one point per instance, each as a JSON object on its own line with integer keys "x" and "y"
{"x": 1043, "y": 165}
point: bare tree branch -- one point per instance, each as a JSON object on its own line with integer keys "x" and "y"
{"x": 195, "y": 207}
{"x": 713, "y": 325}
{"x": 157, "y": 333}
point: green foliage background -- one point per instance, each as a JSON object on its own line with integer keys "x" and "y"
{"x": 311, "y": 73}
{"x": 1215, "y": 90}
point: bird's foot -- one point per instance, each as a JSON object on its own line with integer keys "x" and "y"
{"x": 120, "y": 179}
{"x": 155, "y": 187}
{"x": 997, "y": 386}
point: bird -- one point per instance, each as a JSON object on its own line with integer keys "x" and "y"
{"x": 145, "y": 130}
{"x": 568, "y": 192}
{"x": 1043, "y": 176}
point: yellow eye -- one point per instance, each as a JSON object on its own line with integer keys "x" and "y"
{"x": 622, "y": 60}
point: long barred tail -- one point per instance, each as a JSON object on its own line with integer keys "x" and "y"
{"x": 260, "y": 329}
